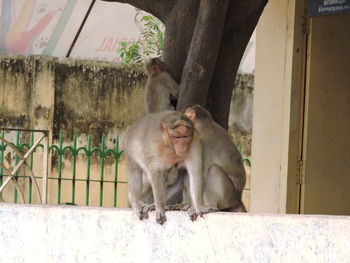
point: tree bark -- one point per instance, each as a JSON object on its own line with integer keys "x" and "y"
{"x": 200, "y": 63}
{"x": 179, "y": 27}
{"x": 242, "y": 18}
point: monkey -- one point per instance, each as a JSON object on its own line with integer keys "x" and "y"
{"x": 224, "y": 174}
{"x": 153, "y": 145}
{"x": 161, "y": 90}
{"x": 161, "y": 95}
{"x": 174, "y": 184}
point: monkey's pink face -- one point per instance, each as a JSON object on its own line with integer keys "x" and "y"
{"x": 181, "y": 138}
{"x": 190, "y": 113}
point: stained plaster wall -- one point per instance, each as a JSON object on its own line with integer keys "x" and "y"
{"x": 88, "y": 97}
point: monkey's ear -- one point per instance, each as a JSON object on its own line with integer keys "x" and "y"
{"x": 165, "y": 129}
{"x": 164, "y": 126}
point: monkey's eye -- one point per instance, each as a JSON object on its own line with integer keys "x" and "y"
{"x": 180, "y": 137}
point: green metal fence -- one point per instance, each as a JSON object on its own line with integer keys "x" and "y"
{"x": 59, "y": 152}
{"x": 58, "y": 155}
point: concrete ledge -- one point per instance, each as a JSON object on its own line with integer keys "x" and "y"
{"x": 85, "y": 234}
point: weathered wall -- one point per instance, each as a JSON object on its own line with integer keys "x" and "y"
{"x": 86, "y": 97}
{"x": 72, "y": 96}
{"x": 81, "y": 234}
{"x": 89, "y": 97}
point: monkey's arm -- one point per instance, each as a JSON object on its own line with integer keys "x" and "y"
{"x": 159, "y": 193}
{"x": 134, "y": 173}
{"x": 169, "y": 83}
{"x": 194, "y": 166}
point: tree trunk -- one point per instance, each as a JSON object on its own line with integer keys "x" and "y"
{"x": 201, "y": 59}
{"x": 239, "y": 27}
{"x": 203, "y": 46}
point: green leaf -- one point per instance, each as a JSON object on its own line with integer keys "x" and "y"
{"x": 150, "y": 43}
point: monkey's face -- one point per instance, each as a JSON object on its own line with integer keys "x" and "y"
{"x": 154, "y": 66}
{"x": 181, "y": 138}
{"x": 190, "y": 113}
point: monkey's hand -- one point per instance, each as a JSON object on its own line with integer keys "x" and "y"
{"x": 193, "y": 213}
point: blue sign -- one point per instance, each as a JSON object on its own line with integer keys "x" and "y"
{"x": 328, "y": 7}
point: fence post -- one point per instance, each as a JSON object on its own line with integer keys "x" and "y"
{"x": 45, "y": 166}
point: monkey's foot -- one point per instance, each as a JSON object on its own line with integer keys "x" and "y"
{"x": 178, "y": 207}
{"x": 148, "y": 208}
{"x": 160, "y": 216}
{"x": 141, "y": 213}
{"x": 201, "y": 211}
{"x": 142, "y": 210}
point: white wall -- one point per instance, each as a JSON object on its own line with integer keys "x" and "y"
{"x": 81, "y": 234}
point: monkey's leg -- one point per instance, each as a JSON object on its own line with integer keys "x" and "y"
{"x": 147, "y": 195}
{"x": 186, "y": 200}
{"x": 174, "y": 186}
{"x": 159, "y": 193}
{"x": 134, "y": 174}
{"x": 221, "y": 193}
{"x": 238, "y": 206}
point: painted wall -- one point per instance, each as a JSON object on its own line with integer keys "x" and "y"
{"x": 272, "y": 107}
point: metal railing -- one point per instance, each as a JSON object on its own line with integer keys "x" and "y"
{"x": 22, "y": 161}
{"x": 56, "y": 153}
{"x": 88, "y": 151}
{"x": 58, "y": 157}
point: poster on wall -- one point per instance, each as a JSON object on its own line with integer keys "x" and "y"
{"x": 49, "y": 27}
{"x": 36, "y": 26}
{"x": 108, "y": 24}
{"x": 328, "y": 7}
